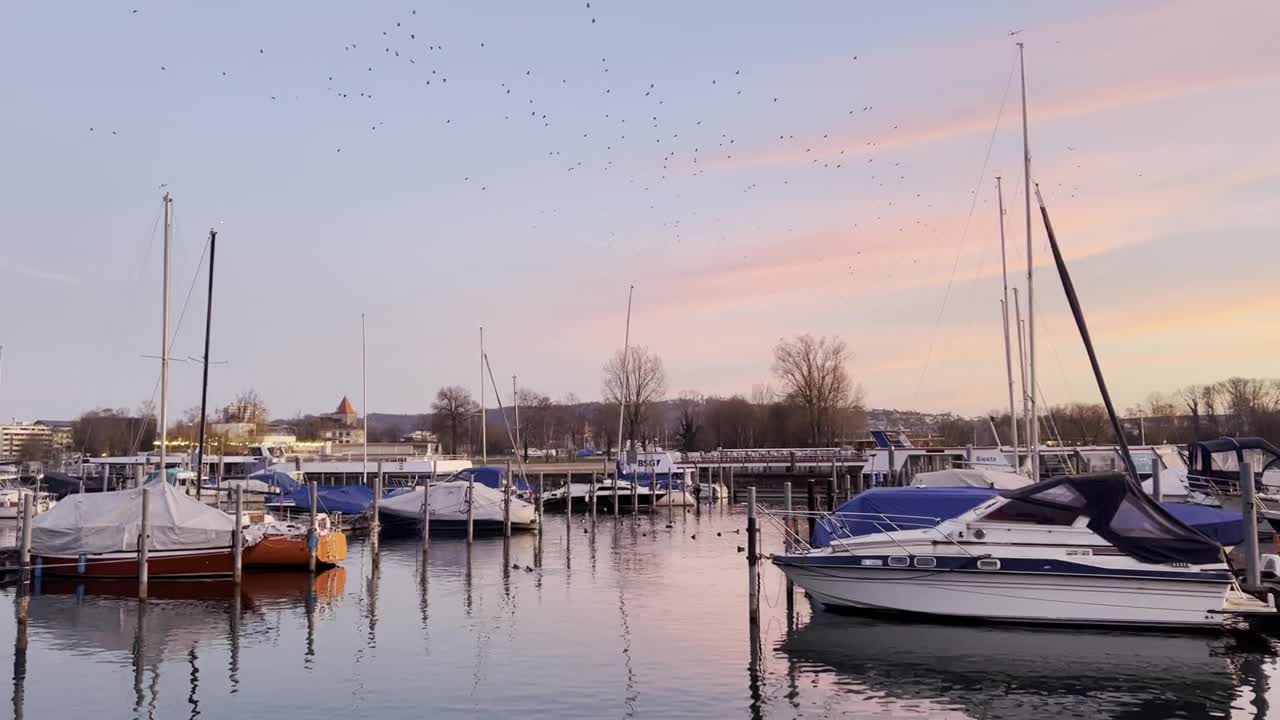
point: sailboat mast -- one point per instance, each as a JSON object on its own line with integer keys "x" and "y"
{"x": 204, "y": 382}
{"x": 515, "y": 403}
{"x": 1034, "y": 439}
{"x": 484, "y": 430}
{"x": 1022, "y": 367}
{"x": 622, "y": 404}
{"x": 1004, "y": 317}
{"x": 1074, "y": 301}
{"x": 164, "y": 337}
{"x": 364, "y": 400}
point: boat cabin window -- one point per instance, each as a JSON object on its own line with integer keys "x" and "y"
{"x": 926, "y": 562}
{"x": 1016, "y": 511}
{"x": 988, "y": 564}
{"x": 899, "y": 561}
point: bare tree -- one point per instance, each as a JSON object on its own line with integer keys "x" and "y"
{"x": 247, "y": 407}
{"x": 641, "y": 381}
{"x": 452, "y": 406}
{"x": 537, "y": 420}
{"x": 689, "y": 422}
{"x": 813, "y": 375}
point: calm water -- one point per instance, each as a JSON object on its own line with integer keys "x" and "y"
{"x": 639, "y": 621}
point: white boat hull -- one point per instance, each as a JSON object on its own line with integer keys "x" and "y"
{"x": 1015, "y": 597}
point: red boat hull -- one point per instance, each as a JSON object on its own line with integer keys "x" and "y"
{"x": 208, "y": 562}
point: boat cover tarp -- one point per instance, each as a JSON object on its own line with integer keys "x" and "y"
{"x": 103, "y": 522}
{"x": 491, "y": 478}
{"x": 917, "y": 506}
{"x": 276, "y": 479}
{"x": 1121, "y": 514}
{"x": 971, "y": 477}
{"x": 662, "y": 480}
{"x": 449, "y": 502}
{"x": 348, "y": 500}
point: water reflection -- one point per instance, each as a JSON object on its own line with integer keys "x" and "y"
{"x": 1018, "y": 672}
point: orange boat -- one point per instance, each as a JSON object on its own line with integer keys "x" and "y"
{"x": 283, "y": 544}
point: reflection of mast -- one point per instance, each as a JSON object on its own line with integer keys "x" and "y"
{"x": 194, "y": 677}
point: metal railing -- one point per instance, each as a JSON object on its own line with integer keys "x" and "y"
{"x": 839, "y": 525}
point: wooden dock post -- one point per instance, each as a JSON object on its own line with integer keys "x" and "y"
{"x": 813, "y": 506}
{"x": 732, "y": 494}
{"x": 568, "y": 493}
{"x": 471, "y": 511}
{"x": 506, "y": 502}
{"x": 753, "y": 557}
{"x": 1157, "y": 493}
{"x": 832, "y": 500}
{"x": 635, "y": 490}
{"x": 617, "y": 475}
{"x": 1248, "y": 508}
{"x": 542, "y": 480}
{"x": 859, "y": 482}
{"x": 24, "y": 547}
{"x": 426, "y": 519}
{"x": 786, "y": 513}
{"x": 891, "y": 476}
{"x": 144, "y": 540}
{"x": 375, "y": 520}
{"x": 313, "y": 534}
{"x": 237, "y": 537}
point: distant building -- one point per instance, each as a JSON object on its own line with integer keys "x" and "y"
{"x": 24, "y": 440}
{"x": 343, "y": 436}
{"x": 345, "y": 414}
{"x": 61, "y": 431}
{"x": 235, "y": 432}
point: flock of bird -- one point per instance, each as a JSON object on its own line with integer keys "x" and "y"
{"x": 658, "y": 144}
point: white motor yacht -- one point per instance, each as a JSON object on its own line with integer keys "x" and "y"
{"x": 1087, "y": 549}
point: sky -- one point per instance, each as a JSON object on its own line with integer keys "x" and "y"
{"x": 757, "y": 170}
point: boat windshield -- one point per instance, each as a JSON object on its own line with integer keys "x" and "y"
{"x": 1120, "y": 513}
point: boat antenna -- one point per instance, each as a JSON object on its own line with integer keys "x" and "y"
{"x": 1033, "y": 440}
{"x": 1069, "y": 288}
{"x": 204, "y": 383}
{"x": 1004, "y": 317}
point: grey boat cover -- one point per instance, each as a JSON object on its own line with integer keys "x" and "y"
{"x": 96, "y": 523}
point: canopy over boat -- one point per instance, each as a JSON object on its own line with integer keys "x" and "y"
{"x": 1121, "y": 514}
{"x": 1225, "y": 455}
{"x": 104, "y": 522}
{"x": 276, "y": 479}
{"x": 61, "y": 484}
{"x": 965, "y": 477}
{"x": 348, "y": 500}
{"x": 915, "y": 507}
{"x": 491, "y": 477}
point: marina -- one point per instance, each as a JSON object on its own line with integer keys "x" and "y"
{"x": 586, "y": 624}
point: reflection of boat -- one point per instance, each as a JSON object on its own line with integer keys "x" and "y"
{"x": 449, "y": 502}
{"x": 1089, "y": 549}
{"x": 96, "y": 535}
{"x": 1009, "y": 672}
{"x": 256, "y": 589}
{"x": 283, "y": 543}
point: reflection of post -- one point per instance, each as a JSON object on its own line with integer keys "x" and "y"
{"x": 21, "y": 602}
{"x": 371, "y": 589}
{"x": 309, "y": 604}
{"x": 233, "y": 643}
{"x": 467, "y": 599}
{"x": 138, "y": 659}
{"x": 193, "y": 681}
{"x": 754, "y": 683}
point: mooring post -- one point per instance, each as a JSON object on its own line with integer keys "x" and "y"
{"x": 891, "y": 476}
{"x": 859, "y": 482}
{"x": 732, "y": 494}
{"x": 786, "y": 514}
{"x": 237, "y": 537}
{"x": 1248, "y": 508}
{"x": 375, "y": 519}
{"x": 635, "y": 489}
{"x": 144, "y": 540}
{"x": 1157, "y": 493}
{"x": 426, "y": 518}
{"x": 617, "y": 475}
{"x": 542, "y": 479}
{"x": 24, "y": 548}
{"x": 653, "y": 490}
{"x": 568, "y": 493}
{"x": 313, "y": 532}
{"x": 506, "y": 502}
{"x": 968, "y": 456}
{"x": 471, "y": 511}
{"x": 813, "y": 506}
{"x": 222, "y": 453}
{"x": 753, "y": 576}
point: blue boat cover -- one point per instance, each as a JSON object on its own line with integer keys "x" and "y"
{"x": 276, "y": 479}
{"x": 492, "y": 477}
{"x": 919, "y": 506}
{"x": 908, "y": 507}
{"x": 662, "y": 480}
{"x": 586, "y": 453}
{"x": 1222, "y": 525}
{"x": 348, "y": 500}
